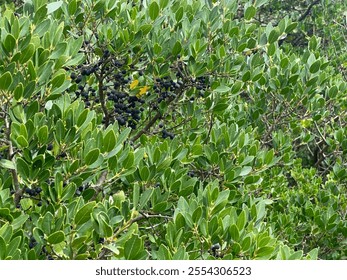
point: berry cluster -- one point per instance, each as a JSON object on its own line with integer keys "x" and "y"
{"x": 32, "y": 242}
{"x": 215, "y": 250}
{"x": 127, "y": 108}
{"x": 112, "y": 90}
{"x": 166, "y": 88}
{"x": 33, "y": 193}
{"x": 167, "y": 134}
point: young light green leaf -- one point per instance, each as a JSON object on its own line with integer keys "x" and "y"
{"x": 52, "y": 7}
{"x": 5, "y": 163}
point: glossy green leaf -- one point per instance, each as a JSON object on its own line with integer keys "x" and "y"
{"x": 9, "y": 43}
{"x": 83, "y": 214}
{"x": 133, "y": 247}
{"x": 314, "y": 68}
{"x": 153, "y": 10}
{"x": 56, "y": 237}
{"x": 27, "y": 53}
{"x": 92, "y": 156}
{"x": 234, "y": 233}
{"x": 5, "y": 81}
{"x": 40, "y": 14}
{"x": 59, "y": 50}
{"x": 22, "y": 141}
{"x": 109, "y": 141}
{"x": 176, "y": 48}
{"x": 179, "y": 14}
{"x": 273, "y": 36}
{"x": 250, "y": 12}
{"x": 72, "y": 7}
{"x": 18, "y": 92}
{"x": 58, "y": 80}
{"x": 43, "y": 134}
{"x": 3, "y": 252}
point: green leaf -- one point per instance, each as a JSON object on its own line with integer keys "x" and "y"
{"x": 264, "y": 251}
{"x": 269, "y": 157}
{"x": 27, "y": 53}
{"x": 72, "y": 7}
{"x": 109, "y": 141}
{"x": 83, "y": 214}
{"x": 92, "y": 156}
{"x": 234, "y": 233}
{"x": 58, "y": 81}
{"x": 22, "y": 142}
{"x": 42, "y": 134}
{"x": 236, "y": 87}
{"x": 133, "y": 247}
{"x": 59, "y": 50}
{"x": 144, "y": 173}
{"x": 22, "y": 168}
{"x": 3, "y": 252}
{"x": 181, "y": 254}
{"x": 163, "y": 253}
{"x": 18, "y": 222}
{"x": 5, "y": 163}
{"x": 6, "y": 80}
{"x": 273, "y": 36}
{"x": 197, "y": 215}
{"x": 245, "y": 170}
{"x": 18, "y": 92}
{"x": 153, "y": 10}
{"x": 250, "y": 12}
{"x": 13, "y": 246}
{"x": 259, "y": 3}
{"x": 271, "y": 49}
{"x": 222, "y": 89}
{"x": 315, "y": 67}
{"x": 52, "y": 7}
{"x": 179, "y": 14}
{"x": 56, "y": 237}
{"x": 296, "y": 256}
{"x": 220, "y": 107}
{"x": 59, "y": 131}
{"x": 40, "y": 14}
{"x": 241, "y": 220}
{"x": 129, "y": 161}
{"x": 246, "y": 243}
{"x": 9, "y": 43}
{"x": 145, "y": 196}
{"x": 176, "y": 48}
{"x": 313, "y": 254}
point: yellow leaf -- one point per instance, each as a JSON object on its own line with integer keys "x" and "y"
{"x": 134, "y": 83}
{"x": 143, "y": 90}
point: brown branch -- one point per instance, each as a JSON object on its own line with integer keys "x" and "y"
{"x": 18, "y": 191}
{"x": 147, "y": 127}
{"x": 307, "y": 12}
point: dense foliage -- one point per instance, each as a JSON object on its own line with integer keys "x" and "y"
{"x": 173, "y": 129}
